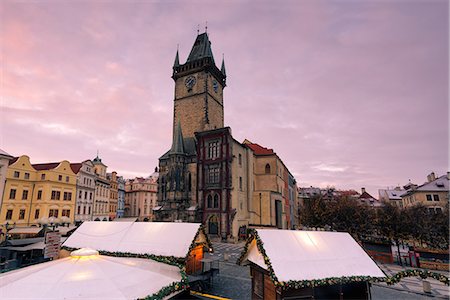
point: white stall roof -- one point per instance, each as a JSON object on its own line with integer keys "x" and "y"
{"x": 90, "y": 277}
{"x": 311, "y": 255}
{"x": 166, "y": 239}
{"x": 25, "y": 230}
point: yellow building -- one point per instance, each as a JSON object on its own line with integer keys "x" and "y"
{"x": 433, "y": 194}
{"x": 35, "y": 192}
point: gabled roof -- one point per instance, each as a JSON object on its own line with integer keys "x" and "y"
{"x": 440, "y": 184}
{"x": 294, "y": 255}
{"x": 5, "y": 154}
{"x": 258, "y": 149}
{"x": 13, "y": 160}
{"x": 145, "y": 238}
{"x": 366, "y": 195}
{"x": 45, "y": 166}
{"x": 201, "y": 48}
{"x": 76, "y": 167}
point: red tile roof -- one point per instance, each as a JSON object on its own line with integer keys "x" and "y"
{"x": 75, "y": 167}
{"x": 366, "y": 195}
{"x": 13, "y": 160}
{"x": 46, "y": 166}
{"x": 259, "y": 150}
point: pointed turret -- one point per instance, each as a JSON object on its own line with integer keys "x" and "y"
{"x": 201, "y": 48}
{"x": 222, "y": 69}
{"x": 177, "y": 143}
{"x": 177, "y": 60}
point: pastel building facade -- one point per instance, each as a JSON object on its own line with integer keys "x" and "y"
{"x": 120, "y": 196}
{"x": 38, "y": 191}
{"x": 85, "y": 193}
{"x": 141, "y": 197}
{"x": 102, "y": 189}
{"x": 113, "y": 195}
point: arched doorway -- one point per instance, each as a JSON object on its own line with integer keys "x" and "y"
{"x": 213, "y": 225}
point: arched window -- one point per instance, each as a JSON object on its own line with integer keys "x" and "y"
{"x": 216, "y": 201}
{"x": 267, "y": 169}
{"x": 209, "y": 201}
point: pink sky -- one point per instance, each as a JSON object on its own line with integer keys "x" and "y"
{"x": 348, "y": 93}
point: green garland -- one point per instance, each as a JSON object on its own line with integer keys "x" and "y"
{"x": 253, "y": 235}
{"x": 416, "y": 272}
{"x": 195, "y": 244}
{"x": 167, "y": 290}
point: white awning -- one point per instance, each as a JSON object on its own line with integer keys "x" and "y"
{"x": 192, "y": 208}
{"x": 90, "y": 277}
{"x": 157, "y": 207}
{"x": 157, "y": 238}
{"x": 25, "y": 230}
{"x": 312, "y": 255}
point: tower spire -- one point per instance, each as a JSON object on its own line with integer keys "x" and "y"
{"x": 222, "y": 69}
{"x": 177, "y": 59}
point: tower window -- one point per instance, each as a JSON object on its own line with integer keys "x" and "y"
{"x": 240, "y": 159}
{"x": 216, "y": 201}
{"x": 267, "y": 169}
{"x": 209, "y": 201}
{"x": 213, "y": 149}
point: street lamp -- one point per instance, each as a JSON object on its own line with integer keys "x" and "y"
{"x": 8, "y": 227}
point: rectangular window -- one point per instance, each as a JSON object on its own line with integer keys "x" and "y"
{"x": 16, "y": 174}
{"x": 429, "y": 198}
{"x": 21, "y": 214}
{"x": 67, "y": 178}
{"x": 39, "y": 195}
{"x": 67, "y": 196}
{"x": 36, "y": 214}
{"x": 85, "y": 195}
{"x": 240, "y": 183}
{"x": 9, "y": 213}
{"x": 89, "y": 210}
{"x": 258, "y": 284}
{"x": 213, "y": 175}
{"x": 12, "y": 194}
{"x": 436, "y": 197}
{"x": 27, "y": 176}
{"x": 24, "y": 194}
{"x": 240, "y": 159}
{"x": 213, "y": 149}
{"x": 42, "y": 176}
{"x": 56, "y": 195}
{"x": 60, "y": 177}
{"x": 53, "y": 213}
{"x": 84, "y": 210}
{"x": 66, "y": 213}
{"x": 90, "y": 196}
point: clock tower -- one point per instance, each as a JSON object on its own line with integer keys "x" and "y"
{"x": 199, "y": 84}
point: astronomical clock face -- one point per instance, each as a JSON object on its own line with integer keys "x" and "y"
{"x": 190, "y": 82}
{"x": 215, "y": 86}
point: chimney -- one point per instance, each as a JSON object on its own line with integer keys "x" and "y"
{"x": 431, "y": 177}
{"x": 363, "y": 190}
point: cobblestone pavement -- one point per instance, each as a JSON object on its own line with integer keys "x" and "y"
{"x": 234, "y": 282}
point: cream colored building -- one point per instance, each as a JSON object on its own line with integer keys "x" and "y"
{"x": 85, "y": 190}
{"x": 113, "y": 194}
{"x": 433, "y": 194}
{"x": 141, "y": 195}
{"x": 38, "y": 191}
{"x": 102, "y": 190}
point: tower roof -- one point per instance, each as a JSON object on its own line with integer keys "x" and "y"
{"x": 177, "y": 144}
{"x": 201, "y": 48}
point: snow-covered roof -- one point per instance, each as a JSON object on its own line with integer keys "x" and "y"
{"x": 311, "y": 255}
{"x": 4, "y": 153}
{"x": 438, "y": 185}
{"x": 90, "y": 277}
{"x": 156, "y": 238}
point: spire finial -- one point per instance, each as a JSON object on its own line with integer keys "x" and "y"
{"x": 97, "y": 152}
{"x": 206, "y": 27}
{"x": 198, "y": 29}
